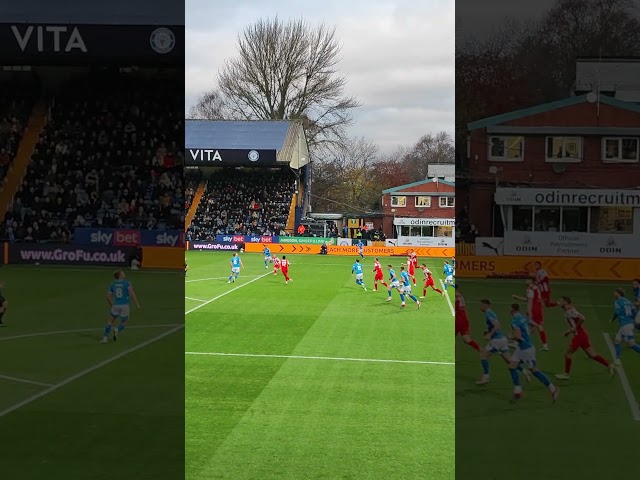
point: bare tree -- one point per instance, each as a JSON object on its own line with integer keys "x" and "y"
{"x": 210, "y": 106}
{"x": 289, "y": 71}
{"x": 430, "y": 149}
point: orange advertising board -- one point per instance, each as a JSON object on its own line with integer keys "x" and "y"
{"x": 163, "y": 257}
{"x": 558, "y": 268}
{"x": 286, "y": 249}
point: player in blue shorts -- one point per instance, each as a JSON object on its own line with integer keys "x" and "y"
{"x": 448, "y": 275}
{"x": 525, "y": 354}
{"x": 267, "y": 256}
{"x": 360, "y": 246}
{"x": 119, "y": 297}
{"x": 357, "y": 269}
{"x": 236, "y": 264}
{"x": 406, "y": 288}
{"x": 625, "y": 312}
{"x": 636, "y": 300}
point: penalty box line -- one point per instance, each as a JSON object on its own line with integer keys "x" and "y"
{"x": 307, "y": 357}
{"x": 225, "y": 293}
{"x": 68, "y": 380}
{"x": 626, "y": 387}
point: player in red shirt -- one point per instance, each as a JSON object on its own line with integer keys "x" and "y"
{"x": 414, "y": 261}
{"x": 276, "y": 264}
{"x": 379, "y": 275}
{"x": 284, "y": 266}
{"x": 462, "y": 322}
{"x": 579, "y": 339}
{"x": 411, "y": 268}
{"x": 535, "y": 310}
{"x": 428, "y": 282}
{"x": 542, "y": 279}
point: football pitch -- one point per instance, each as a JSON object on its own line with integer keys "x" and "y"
{"x": 316, "y": 379}
{"x": 593, "y": 429}
{"x": 71, "y": 407}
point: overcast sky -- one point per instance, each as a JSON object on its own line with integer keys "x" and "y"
{"x": 397, "y": 55}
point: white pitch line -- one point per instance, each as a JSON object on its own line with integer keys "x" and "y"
{"x": 453, "y": 313}
{"x": 225, "y": 293}
{"x": 633, "y": 403}
{"x": 23, "y": 380}
{"x": 83, "y": 330}
{"x": 86, "y": 371}
{"x": 195, "y": 299}
{"x": 304, "y": 357}
{"x": 215, "y": 278}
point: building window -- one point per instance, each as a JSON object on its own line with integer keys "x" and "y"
{"x": 575, "y": 219}
{"x": 611, "y": 220}
{"x": 564, "y": 149}
{"x": 447, "y": 201}
{"x": 506, "y": 149}
{"x": 522, "y": 218}
{"x": 422, "y": 201}
{"x": 547, "y": 219}
{"x": 398, "y": 201}
{"x": 620, "y": 149}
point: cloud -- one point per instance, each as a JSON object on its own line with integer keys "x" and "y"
{"x": 397, "y": 57}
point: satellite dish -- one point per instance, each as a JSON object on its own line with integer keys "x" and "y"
{"x": 592, "y": 97}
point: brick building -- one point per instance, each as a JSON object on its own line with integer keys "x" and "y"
{"x": 584, "y": 142}
{"x": 425, "y": 208}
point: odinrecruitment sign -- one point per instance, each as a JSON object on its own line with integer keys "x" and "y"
{"x": 567, "y": 197}
{"x": 213, "y": 157}
{"x": 425, "y": 222}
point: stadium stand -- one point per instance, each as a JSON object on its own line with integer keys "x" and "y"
{"x": 111, "y": 161}
{"x": 244, "y": 202}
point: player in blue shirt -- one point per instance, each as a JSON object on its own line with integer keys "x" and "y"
{"x": 119, "y": 297}
{"x": 498, "y": 343}
{"x": 406, "y": 288}
{"x": 625, "y": 312}
{"x": 235, "y": 263}
{"x": 357, "y": 269}
{"x": 636, "y": 300}
{"x": 394, "y": 282}
{"x": 360, "y": 246}
{"x": 525, "y": 354}
{"x": 267, "y": 256}
{"x": 448, "y": 275}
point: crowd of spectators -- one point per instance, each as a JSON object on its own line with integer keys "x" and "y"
{"x": 244, "y": 202}
{"x": 111, "y": 155}
{"x": 192, "y": 178}
{"x": 17, "y": 98}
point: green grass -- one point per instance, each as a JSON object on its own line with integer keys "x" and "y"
{"x": 277, "y": 417}
{"x": 589, "y": 433}
{"x": 122, "y": 420}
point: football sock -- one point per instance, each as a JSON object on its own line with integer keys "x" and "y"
{"x": 402, "y": 297}
{"x": 474, "y": 345}
{"x": 453, "y": 285}
{"x": 385, "y": 284}
{"x": 389, "y": 292}
{"x": 120, "y": 327}
{"x": 485, "y": 366}
{"x": 618, "y": 349}
{"x": 424, "y": 292}
{"x": 107, "y": 329}
{"x": 601, "y": 360}
{"x": 515, "y": 378}
{"x": 413, "y": 297}
{"x": 230, "y": 277}
{"x": 438, "y": 290}
{"x": 375, "y": 287}
{"x": 543, "y": 378}
{"x": 543, "y": 337}
{"x": 635, "y": 348}
{"x": 567, "y": 364}
{"x": 445, "y": 287}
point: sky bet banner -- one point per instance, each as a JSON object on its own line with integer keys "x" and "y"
{"x": 128, "y": 238}
{"x": 211, "y": 157}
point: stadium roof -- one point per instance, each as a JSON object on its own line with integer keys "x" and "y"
{"x": 260, "y": 135}
{"x": 112, "y": 12}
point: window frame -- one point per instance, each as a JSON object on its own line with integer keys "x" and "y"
{"x": 446, "y": 199}
{"x": 619, "y": 159}
{"x": 563, "y": 159}
{"x": 492, "y": 158}
{"x": 397, "y": 205}
{"x": 415, "y": 201}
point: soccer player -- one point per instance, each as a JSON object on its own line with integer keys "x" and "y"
{"x": 535, "y": 310}
{"x": 284, "y": 267}
{"x": 525, "y": 353}
{"x": 357, "y": 269}
{"x": 579, "y": 339}
{"x": 448, "y": 275}
{"x": 360, "y": 246}
{"x": 428, "y": 282}
{"x": 542, "y": 279}
{"x": 393, "y": 282}
{"x": 406, "y": 288}
{"x": 498, "y": 343}
{"x": 462, "y": 323}
{"x": 625, "y": 312}
{"x": 236, "y": 264}
{"x": 3, "y": 306}
{"x": 267, "y": 256}
{"x": 453, "y": 264}
{"x": 636, "y": 300}
{"x": 276, "y": 264}
{"x": 379, "y": 276}
{"x": 411, "y": 267}
{"x": 186, "y": 268}
{"x": 119, "y": 297}
{"x": 414, "y": 265}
